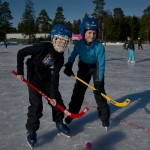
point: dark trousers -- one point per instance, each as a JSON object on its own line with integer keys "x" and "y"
{"x": 140, "y": 47}
{"x": 36, "y": 105}
{"x": 85, "y": 72}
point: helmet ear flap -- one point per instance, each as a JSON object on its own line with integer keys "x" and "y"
{"x": 84, "y": 32}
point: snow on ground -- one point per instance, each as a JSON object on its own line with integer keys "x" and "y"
{"x": 130, "y": 126}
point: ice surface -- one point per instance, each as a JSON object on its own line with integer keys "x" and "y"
{"x": 130, "y": 126}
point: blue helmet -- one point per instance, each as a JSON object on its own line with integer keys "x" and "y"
{"x": 88, "y": 23}
{"x": 61, "y": 29}
{"x": 61, "y": 32}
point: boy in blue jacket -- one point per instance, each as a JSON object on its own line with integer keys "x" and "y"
{"x": 91, "y": 64}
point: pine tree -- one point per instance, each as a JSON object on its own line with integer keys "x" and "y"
{"x": 76, "y": 26}
{"x": 145, "y": 25}
{"x": 44, "y": 22}
{"x": 100, "y": 15}
{"x": 119, "y": 24}
{"x": 59, "y": 17}
{"x": 27, "y": 25}
{"x": 5, "y": 17}
{"x": 86, "y": 15}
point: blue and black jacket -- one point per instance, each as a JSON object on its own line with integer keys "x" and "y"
{"x": 94, "y": 53}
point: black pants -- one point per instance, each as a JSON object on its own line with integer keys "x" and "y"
{"x": 85, "y": 72}
{"x": 140, "y": 46}
{"x": 36, "y": 105}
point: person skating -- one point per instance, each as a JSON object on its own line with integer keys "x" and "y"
{"x": 125, "y": 45}
{"x": 140, "y": 47}
{"x": 43, "y": 67}
{"x": 131, "y": 48}
{"x": 5, "y": 45}
{"x": 91, "y": 63}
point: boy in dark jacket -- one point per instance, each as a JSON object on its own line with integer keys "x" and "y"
{"x": 140, "y": 47}
{"x": 43, "y": 70}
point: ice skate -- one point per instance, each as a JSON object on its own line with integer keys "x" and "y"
{"x": 31, "y": 139}
{"x": 62, "y": 128}
{"x": 106, "y": 125}
{"x": 106, "y": 128}
{"x": 128, "y": 61}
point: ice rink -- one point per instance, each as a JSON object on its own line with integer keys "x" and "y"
{"x": 129, "y": 126}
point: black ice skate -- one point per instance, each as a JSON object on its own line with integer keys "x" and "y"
{"x": 31, "y": 138}
{"x": 62, "y": 128}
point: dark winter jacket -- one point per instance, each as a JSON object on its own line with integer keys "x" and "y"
{"x": 139, "y": 42}
{"x": 130, "y": 45}
{"x": 45, "y": 63}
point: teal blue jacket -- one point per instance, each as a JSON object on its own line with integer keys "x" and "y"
{"x": 94, "y": 53}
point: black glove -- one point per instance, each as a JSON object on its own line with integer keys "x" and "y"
{"x": 68, "y": 69}
{"x": 100, "y": 87}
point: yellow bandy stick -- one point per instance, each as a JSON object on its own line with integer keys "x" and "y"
{"x": 114, "y": 102}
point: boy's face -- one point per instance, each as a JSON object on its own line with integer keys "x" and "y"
{"x": 60, "y": 43}
{"x": 128, "y": 38}
{"x": 90, "y": 35}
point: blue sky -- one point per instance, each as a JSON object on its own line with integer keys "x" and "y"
{"x": 75, "y": 9}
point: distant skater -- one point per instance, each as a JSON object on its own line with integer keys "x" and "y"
{"x": 125, "y": 45}
{"x": 5, "y": 44}
{"x": 131, "y": 48}
{"x": 140, "y": 47}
